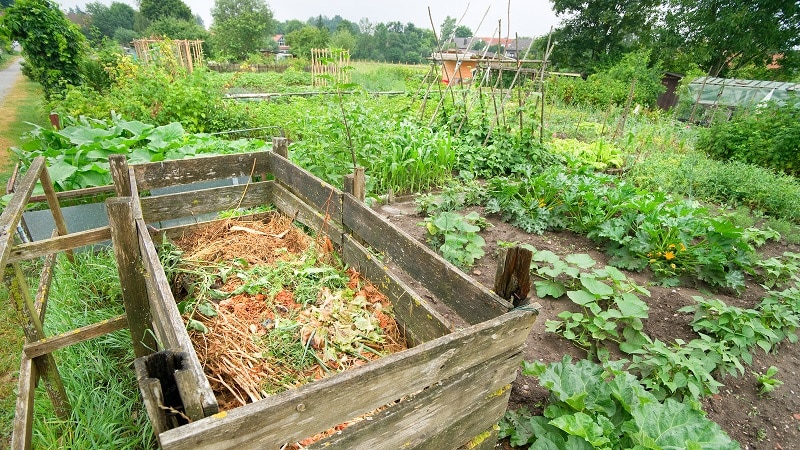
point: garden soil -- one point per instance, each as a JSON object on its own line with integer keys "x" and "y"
{"x": 756, "y": 422}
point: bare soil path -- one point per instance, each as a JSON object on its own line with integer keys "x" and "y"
{"x": 9, "y": 77}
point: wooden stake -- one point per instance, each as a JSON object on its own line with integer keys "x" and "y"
{"x": 125, "y": 241}
{"x": 280, "y": 145}
{"x": 118, "y": 164}
{"x": 45, "y": 365}
{"x": 513, "y": 276}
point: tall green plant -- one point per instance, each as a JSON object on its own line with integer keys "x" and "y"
{"x": 53, "y": 47}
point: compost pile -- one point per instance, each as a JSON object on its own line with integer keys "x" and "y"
{"x": 269, "y": 308}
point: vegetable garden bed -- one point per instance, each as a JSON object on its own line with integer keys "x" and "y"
{"x": 446, "y": 391}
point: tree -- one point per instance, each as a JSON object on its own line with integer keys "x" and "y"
{"x": 303, "y": 40}
{"x": 241, "y": 27}
{"x": 727, "y": 35}
{"x": 154, "y": 10}
{"x": 6, "y": 3}
{"x": 173, "y": 28}
{"x": 463, "y": 31}
{"x": 343, "y": 39}
{"x": 600, "y": 31}
{"x": 53, "y": 47}
{"x": 107, "y": 19}
{"x": 447, "y": 30}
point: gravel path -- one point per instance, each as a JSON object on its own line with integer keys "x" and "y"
{"x": 8, "y": 77}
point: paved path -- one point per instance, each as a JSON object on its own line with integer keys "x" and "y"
{"x": 8, "y": 77}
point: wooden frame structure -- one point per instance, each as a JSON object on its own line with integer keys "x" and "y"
{"x": 448, "y": 390}
{"x": 187, "y": 53}
{"x": 326, "y": 62}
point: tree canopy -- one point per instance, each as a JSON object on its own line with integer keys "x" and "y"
{"x": 241, "y": 27}
{"x": 107, "y": 19}
{"x": 154, "y": 10}
{"x": 53, "y": 47}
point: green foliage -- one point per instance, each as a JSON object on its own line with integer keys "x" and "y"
{"x": 767, "y": 380}
{"x": 733, "y": 183}
{"x": 599, "y": 154}
{"x": 612, "y": 86}
{"x": 138, "y": 93}
{"x": 767, "y": 136}
{"x": 638, "y": 229}
{"x": 175, "y": 28}
{"x": 605, "y": 407}
{"x": 241, "y": 27}
{"x": 77, "y": 156}
{"x": 456, "y": 236}
{"x": 53, "y": 47}
{"x": 108, "y": 19}
{"x": 595, "y": 32}
{"x": 303, "y": 40}
{"x": 154, "y": 10}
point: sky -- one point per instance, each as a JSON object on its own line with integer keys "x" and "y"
{"x": 529, "y": 18}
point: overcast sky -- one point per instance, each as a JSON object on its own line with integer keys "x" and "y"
{"x": 528, "y": 17}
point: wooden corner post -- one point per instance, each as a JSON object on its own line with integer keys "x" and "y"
{"x": 355, "y": 184}
{"x": 513, "y": 276}
{"x": 280, "y": 145}
{"x": 125, "y": 241}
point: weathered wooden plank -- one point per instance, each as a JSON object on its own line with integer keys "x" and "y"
{"x": 292, "y": 206}
{"x": 77, "y": 193}
{"x": 23, "y": 415}
{"x": 129, "y": 267}
{"x": 419, "y": 321}
{"x": 316, "y": 193}
{"x": 45, "y": 281}
{"x": 170, "y": 326}
{"x": 512, "y": 280}
{"x": 32, "y": 327}
{"x": 186, "y": 171}
{"x": 55, "y": 207}
{"x": 32, "y": 250}
{"x": 280, "y": 145}
{"x": 298, "y": 413}
{"x": 179, "y": 230}
{"x": 53, "y": 343}
{"x": 470, "y": 300}
{"x": 12, "y": 213}
{"x": 118, "y": 166}
{"x": 193, "y": 203}
{"x": 439, "y": 417}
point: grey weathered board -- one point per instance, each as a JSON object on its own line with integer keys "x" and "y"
{"x": 170, "y": 173}
{"x": 170, "y": 329}
{"x": 316, "y": 193}
{"x": 292, "y": 206}
{"x": 195, "y": 203}
{"x": 53, "y": 343}
{"x": 438, "y": 417}
{"x": 36, "y": 249}
{"x": 420, "y": 322}
{"x": 23, "y": 414}
{"x": 470, "y": 300}
{"x": 12, "y": 213}
{"x": 302, "y": 412}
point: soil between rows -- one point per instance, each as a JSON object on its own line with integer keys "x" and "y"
{"x": 756, "y": 422}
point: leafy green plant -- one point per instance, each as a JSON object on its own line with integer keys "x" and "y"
{"x": 605, "y": 407}
{"x": 598, "y": 154}
{"x": 77, "y": 155}
{"x": 767, "y": 380}
{"x": 456, "y": 236}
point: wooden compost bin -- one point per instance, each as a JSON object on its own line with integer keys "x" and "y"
{"x": 446, "y": 391}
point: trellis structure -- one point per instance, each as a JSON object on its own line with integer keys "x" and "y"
{"x": 188, "y": 54}
{"x": 329, "y": 63}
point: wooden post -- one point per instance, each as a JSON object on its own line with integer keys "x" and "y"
{"x": 513, "y": 276}
{"x": 55, "y": 120}
{"x": 45, "y": 365}
{"x": 125, "y": 241}
{"x": 23, "y": 415}
{"x": 355, "y": 184}
{"x": 280, "y": 145}
{"x": 118, "y": 164}
{"x": 55, "y": 207}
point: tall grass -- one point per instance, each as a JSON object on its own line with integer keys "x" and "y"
{"x": 98, "y": 375}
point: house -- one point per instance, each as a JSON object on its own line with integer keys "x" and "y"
{"x": 510, "y": 48}
{"x": 280, "y": 39}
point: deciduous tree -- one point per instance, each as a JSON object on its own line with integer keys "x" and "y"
{"x": 107, "y": 19}
{"x": 241, "y": 27}
{"x": 158, "y": 9}
{"x": 53, "y": 47}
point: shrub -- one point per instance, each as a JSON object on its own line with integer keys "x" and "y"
{"x": 768, "y": 136}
